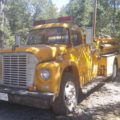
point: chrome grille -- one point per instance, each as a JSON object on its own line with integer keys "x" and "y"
{"x": 15, "y": 70}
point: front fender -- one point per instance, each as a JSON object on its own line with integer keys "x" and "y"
{"x": 50, "y": 85}
{"x": 68, "y": 65}
{"x": 53, "y": 83}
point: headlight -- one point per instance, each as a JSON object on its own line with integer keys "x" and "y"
{"x": 45, "y": 74}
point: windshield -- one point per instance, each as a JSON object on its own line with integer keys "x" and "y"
{"x": 48, "y": 36}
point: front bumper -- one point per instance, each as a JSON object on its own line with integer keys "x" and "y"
{"x": 24, "y": 97}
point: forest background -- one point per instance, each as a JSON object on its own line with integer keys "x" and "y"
{"x": 17, "y": 16}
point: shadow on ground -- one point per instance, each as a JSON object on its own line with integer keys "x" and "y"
{"x": 18, "y": 112}
{"x": 108, "y": 112}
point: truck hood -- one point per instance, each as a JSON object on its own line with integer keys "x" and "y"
{"x": 42, "y": 52}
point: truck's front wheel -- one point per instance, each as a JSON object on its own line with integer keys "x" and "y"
{"x": 68, "y": 96}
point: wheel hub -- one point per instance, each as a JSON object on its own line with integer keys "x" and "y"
{"x": 70, "y": 97}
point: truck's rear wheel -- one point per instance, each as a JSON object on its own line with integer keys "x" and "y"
{"x": 68, "y": 96}
{"x": 115, "y": 71}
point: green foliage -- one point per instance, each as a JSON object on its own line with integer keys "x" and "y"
{"x": 108, "y": 15}
{"x": 49, "y": 11}
{"x": 118, "y": 25}
{"x": 81, "y": 10}
{"x": 63, "y": 11}
{"x": 17, "y": 14}
{"x": 20, "y": 14}
{"x": 42, "y": 9}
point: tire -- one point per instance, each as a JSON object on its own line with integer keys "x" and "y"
{"x": 10, "y": 98}
{"x": 67, "y": 100}
{"x": 115, "y": 71}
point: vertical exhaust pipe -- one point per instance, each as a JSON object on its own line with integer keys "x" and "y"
{"x": 94, "y": 20}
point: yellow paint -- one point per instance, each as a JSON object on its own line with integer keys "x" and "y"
{"x": 51, "y": 25}
{"x": 56, "y": 58}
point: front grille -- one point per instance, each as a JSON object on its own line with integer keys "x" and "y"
{"x": 15, "y": 70}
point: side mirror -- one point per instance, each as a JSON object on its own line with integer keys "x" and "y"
{"x": 17, "y": 40}
{"x": 102, "y": 46}
{"x": 92, "y": 48}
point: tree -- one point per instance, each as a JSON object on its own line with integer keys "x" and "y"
{"x": 44, "y": 10}
{"x": 81, "y": 10}
{"x": 2, "y": 22}
{"x": 107, "y": 17}
{"x": 103, "y": 18}
{"x": 63, "y": 11}
{"x": 20, "y": 15}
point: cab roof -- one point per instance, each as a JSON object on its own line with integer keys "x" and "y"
{"x": 53, "y": 25}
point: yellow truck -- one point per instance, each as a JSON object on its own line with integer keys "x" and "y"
{"x": 56, "y": 62}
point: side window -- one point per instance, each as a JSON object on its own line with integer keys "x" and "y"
{"x": 76, "y": 38}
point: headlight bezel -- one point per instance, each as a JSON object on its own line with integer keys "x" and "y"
{"x": 45, "y": 74}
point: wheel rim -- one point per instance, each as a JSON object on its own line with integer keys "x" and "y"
{"x": 114, "y": 70}
{"x": 70, "y": 96}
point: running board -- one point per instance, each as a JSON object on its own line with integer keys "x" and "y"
{"x": 93, "y": 84}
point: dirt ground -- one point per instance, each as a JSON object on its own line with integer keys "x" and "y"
{"x": 99, "y": 103}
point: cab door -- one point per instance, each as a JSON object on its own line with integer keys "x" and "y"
{"x": 81, "y": 54}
